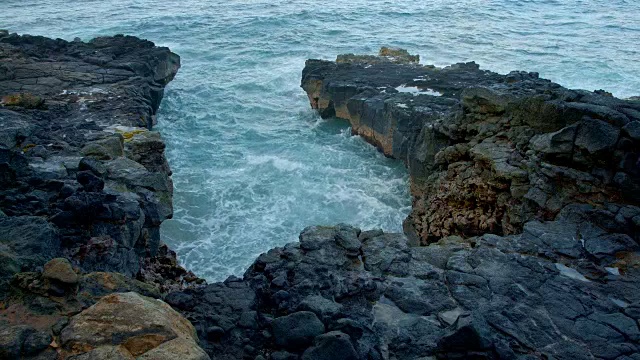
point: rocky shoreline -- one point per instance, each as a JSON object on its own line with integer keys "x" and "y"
{"x": 486, "y": 152}
{"x": 84, "y": 188}
{"x": 525, "y": 192}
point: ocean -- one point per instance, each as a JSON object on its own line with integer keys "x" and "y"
{"x": 252, "y": 164}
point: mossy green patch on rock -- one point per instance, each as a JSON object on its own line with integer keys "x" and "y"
{"x": 96, "y": 151}
{"x": 128, "y": 135}
{"x": 28, "y": 147}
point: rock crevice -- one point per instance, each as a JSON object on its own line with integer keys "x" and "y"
{"x": 523, "y": 193}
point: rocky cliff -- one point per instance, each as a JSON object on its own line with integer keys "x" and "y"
{"x": 525, "y": 194}
{"x": 84, "y": 187}
{"x": 486, "y": 152}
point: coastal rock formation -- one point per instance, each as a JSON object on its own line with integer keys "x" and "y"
{"x": 83, "y": 174}
{"x": 130, "y": 325}
{"x": 84, "y": 187}
{"x": 525, "y": 194}
{"x": 486, "y": 152}
{"x": 562, "y": 289}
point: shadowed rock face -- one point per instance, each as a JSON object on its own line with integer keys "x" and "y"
{"x": 83, "y": 177}
{"x": 78, "y": 151}
{"x": 486, "y": 152}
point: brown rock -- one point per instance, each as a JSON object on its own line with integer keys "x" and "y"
{"x": 106, "y": 353}
{"x": 136, "y": 325}
{"x": 60, "y": 269}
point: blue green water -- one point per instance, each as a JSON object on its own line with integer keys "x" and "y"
{"x": 252, "y": 164}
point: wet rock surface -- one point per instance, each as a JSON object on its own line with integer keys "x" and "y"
{"x": 84, "y": 187}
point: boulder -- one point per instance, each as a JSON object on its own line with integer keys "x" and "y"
{"x": 632, "y": 129}
{"x": 320, "y": 306}
{"x": 297, "y": 330}
{"x": 132, "y": 325}
{"x": 333, "y": 345}
{"x": 347, "y": 237}
{"x": 27, "y": 242}
{"x": 23, "y": 340}
{"x": 596, "y": 136}
{"x": 60, "y": 269}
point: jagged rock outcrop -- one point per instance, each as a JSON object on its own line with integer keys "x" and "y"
{"x": 83, "y": 174}
{"x": 563, "y": 289}
{"x": 84, "y": 187}
{"x": 524, "y": 192}
{"x": 486, "y": 152}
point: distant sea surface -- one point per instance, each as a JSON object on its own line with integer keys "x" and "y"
{"x": 252, "y": 164}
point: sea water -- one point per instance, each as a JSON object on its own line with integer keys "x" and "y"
{"x": 252, "y": 164}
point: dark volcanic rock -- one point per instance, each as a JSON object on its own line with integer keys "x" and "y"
{"x": 525, "y": 192}
{"x": 486, "y": 152}
{"x": 522, "y": 193}
{"x": 84, "y": 178}
{"x": 296, "y": 330}
{"x": 539, "y": 294}
{"x": 331, "y": 346}
{"x": 26, "y": 242}
{"x": 78, "y": 151}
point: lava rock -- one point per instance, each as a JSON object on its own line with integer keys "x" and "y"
{"x": 29, "y": 241}
{"x": 348, "y": 239}
{"x": 596, "y": 136}
{"x": 320, "y": 306}
{"x": 296, "y": 331}
{"x": 90, "y": 182}
{"x": 330, "y": 346}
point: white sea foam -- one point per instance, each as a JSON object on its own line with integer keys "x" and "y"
{"x": 414, "y": 90}
{"x": 252, "y": 164}
{"x": 278, "y": 162}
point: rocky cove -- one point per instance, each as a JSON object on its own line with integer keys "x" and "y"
{"x": 522, "y": 241}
